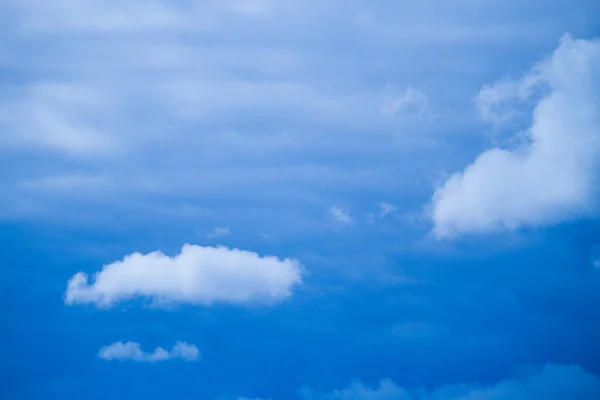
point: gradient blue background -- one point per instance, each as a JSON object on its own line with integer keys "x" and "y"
{"x": 380, "y": 300}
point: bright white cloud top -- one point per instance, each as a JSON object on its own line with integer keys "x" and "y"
{"x": 131, "y": 351}
{"x": 198, "y": 275}
{"x": 552, "y": 175}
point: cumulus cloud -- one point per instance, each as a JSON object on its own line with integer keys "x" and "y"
{"x": 552, "y": 382}
{"x": 551, "y": 177}
{"x": 132, "y": 351}
{"x": 339, "y": 215}
{"x": 197, "y": 275}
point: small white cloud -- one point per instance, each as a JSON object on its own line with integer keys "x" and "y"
{"x": 132, "y": 351}
{"x": 551, "y": 177}
{"x": 340, "y": 215}
{"x": 198, "y": 275}
{"x": 218, "y": 232}
{"x": 185, "y": 351}
{"x": 596, "y": 263}
{"x": 384, "y": 210}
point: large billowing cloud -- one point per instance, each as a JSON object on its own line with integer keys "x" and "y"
{"x": 551, "y": 175}
{"x": 132, "y": 351}
{"x": 552, "y": 382}
{"x": 198, "y": 275}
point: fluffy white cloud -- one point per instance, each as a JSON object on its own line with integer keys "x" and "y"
{"x": 552, "y": 382}
{"x": 198, "y": 275}
{"x": 552, "y": 175}
{"x": 132, "y": 351}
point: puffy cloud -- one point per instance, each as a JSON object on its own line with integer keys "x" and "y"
{"x": 551, "y": 176}
{"x": 198, "y": 275}
{"x": 552, "y": 382}
{"x": 339, "y": 215}
{"x": 132, "y": 351}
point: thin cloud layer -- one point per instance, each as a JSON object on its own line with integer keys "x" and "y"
{"x": 198, "y": 275}
{"x": 218, "y": 232}
{"x": 551, "y": 176}
{"x": 133, "y": 99}
{"x": 552, "y": 382}
{"x": 131, "y": 351}
{"x": 339, "y": 215}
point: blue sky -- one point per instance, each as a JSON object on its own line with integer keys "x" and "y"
{"x": 272, "y": 200}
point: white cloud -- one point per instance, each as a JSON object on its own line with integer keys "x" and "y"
{"x": 185, "y": 351}
{"x": 552, "y": 382}
{"x": 552, "y": 176}
{"x": 340, "y": 215}
{"x": 198, "y": 275}
{"x": 385, "y": 210}
{"x": 218, "y": 232}
{"x": 132, "y": 351}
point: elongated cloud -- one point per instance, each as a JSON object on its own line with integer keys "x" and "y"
{"x": 132, "y": 351}
{"x": 552, "y": 176}
{"x": 198, "y": 275}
